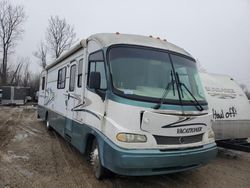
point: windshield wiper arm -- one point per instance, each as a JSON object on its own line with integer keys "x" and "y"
{"x": 166, "y": 91}
{"x": 198, "y": 106}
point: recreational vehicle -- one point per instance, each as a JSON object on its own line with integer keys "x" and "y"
{"x": 229, "y": 106}
{"x": 134, "y": 104}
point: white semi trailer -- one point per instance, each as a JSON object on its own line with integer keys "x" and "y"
{"x": 229, "y": 106}
{"x": 15, "y": 95}
{"x": 134, "y": 104}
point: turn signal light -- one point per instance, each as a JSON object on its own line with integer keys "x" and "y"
{"x": 131, "y": 138}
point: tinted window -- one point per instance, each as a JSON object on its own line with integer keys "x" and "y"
{"x": 61, "y": 80}
{"x": 97, "y": 56}
{"x": 72, "y": 78}
{"x": 142, "y": 72}
{"x": 188, "y": 75}
{"x": 99, "y": 67}
{"x": 148, "y": 74}
{"x": 43, "y": 83}
{"x": 79, "y": 77}
{"x": 96, "y": 64}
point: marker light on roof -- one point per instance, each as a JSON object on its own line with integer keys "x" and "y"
{"x": 165, "y": 40}
{"x": 117, "y": 33}
{"x": 158, "y": 38}
{"x": 150, "y": 36}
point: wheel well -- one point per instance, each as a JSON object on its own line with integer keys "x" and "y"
{"x": 90, "y": 139}
{"x": 46, "y": 115}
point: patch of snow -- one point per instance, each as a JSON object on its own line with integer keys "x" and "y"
{"x": 20, "y": 137}
{"x": 25, "y": 172}
{"x": 11, "y": 156}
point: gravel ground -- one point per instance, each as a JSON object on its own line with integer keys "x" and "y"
{"x": 30, "y": 156}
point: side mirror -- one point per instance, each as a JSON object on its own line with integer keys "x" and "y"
{"x": 95, "y": 80}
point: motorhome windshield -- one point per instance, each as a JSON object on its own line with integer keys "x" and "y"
{"x": 145, "y": 73}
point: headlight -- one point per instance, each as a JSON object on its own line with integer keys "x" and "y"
{"x": 210, "y": 133}
{"x": 131, "y": 138}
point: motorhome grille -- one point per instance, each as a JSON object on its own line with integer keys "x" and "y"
{"x": 172, "y": 140}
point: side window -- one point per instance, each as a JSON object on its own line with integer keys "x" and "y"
{"x": 79, "y": 77}
{"x": 72, "y": 78}
{"x": 101, "y": 68}
{"x": 43, "y": 83}
{"x": 61, "y": 79}
{"x": 96, "y": 64}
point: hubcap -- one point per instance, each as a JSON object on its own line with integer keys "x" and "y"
{"x": 47, "y": 124}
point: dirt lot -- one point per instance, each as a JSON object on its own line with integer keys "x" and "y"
{"x": 32, "y": 157}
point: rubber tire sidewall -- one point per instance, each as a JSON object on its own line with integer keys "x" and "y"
{"x": 48, "y": 127}
{"x": 99, "y": 173}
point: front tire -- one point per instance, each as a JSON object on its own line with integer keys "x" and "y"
{"x": 98, "y": 170}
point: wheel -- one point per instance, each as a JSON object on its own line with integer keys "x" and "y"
{"x": 98, "y": 170}
{"x": 48, "y": 127}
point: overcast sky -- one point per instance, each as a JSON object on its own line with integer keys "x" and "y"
{"x": 216, "y": 32}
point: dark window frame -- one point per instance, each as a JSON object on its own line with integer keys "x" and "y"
{"x": 95, "y": 61}
{"x": 43, "y": 82}
{"x": 59, "y": 82}
{"x": 79, "y": 76}
{"x": 72, "y": 87}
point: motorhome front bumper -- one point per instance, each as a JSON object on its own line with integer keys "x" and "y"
{"x": 152, "y": 162}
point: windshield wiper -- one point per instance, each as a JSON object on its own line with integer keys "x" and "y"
{"x": 198, "y": 106}
{"x": 166, "y": 91}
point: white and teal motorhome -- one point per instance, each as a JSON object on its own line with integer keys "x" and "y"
{"x": 134, "y": 104}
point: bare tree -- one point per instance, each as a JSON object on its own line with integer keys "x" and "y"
{"x": 243, "y": 87}
{"x": 26, "y": 72}
{"x": 11, "y": 29}
{"x": 41, "y": 54}
{"x": 16, "y": 75}
{"x": 60, "y": 36}
{"x": 34, "y": 83}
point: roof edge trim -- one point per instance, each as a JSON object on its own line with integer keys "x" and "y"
{"x": 78, "y": 46}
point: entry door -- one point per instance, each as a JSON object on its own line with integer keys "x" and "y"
{"x": 71, "y": 101}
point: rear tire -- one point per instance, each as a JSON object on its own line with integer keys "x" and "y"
{"x": 98, "y": 170}
{"x": 48, "y": 127}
